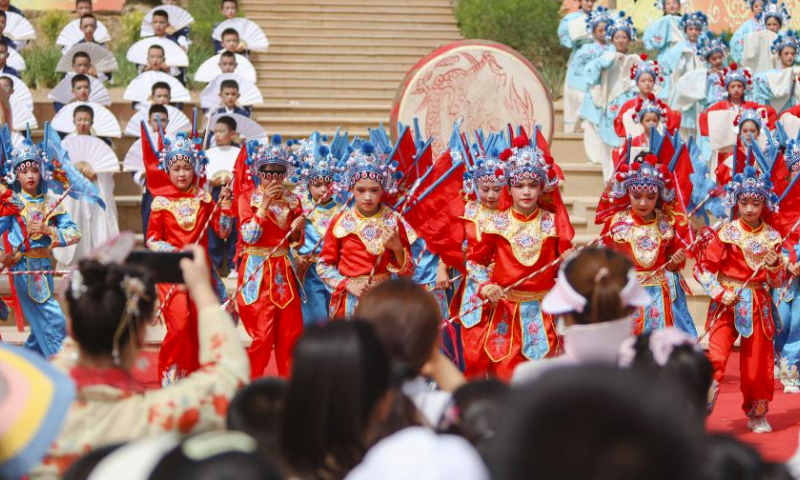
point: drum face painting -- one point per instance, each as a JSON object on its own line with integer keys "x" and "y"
{"x": 488, "y": 85}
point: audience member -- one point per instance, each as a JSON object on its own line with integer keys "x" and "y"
{"x": 730, "y": 459}
{"x": 4, "y": 68}
{"x": 474, "y": 411}
{"x": 257, "y": 410}
{"x": 229, "y": 95}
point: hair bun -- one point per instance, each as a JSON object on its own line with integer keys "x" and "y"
{"x": 93, "y": 274}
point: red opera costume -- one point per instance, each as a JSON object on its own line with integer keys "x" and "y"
{"x": 269, "y": 302}
{"x": 178, "y": 219}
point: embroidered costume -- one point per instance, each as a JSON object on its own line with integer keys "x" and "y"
{"x": 574, "y": 32}
{"x": 726, "y": 263}
{"x": 777, "y": 87}
{"x": 178, "y": 219}
{"x": 664, "y": 32}
{"x": 269, "y": 303}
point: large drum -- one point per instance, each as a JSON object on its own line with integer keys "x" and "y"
{"x": 486, "y": 84}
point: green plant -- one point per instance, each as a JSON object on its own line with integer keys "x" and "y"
{"x": 554, "y": 75}
{"x": 50, "y": 23}
{"x": 40, "y": 63}
{"x": 528, "y": 26}
{"x": 130, "y": 23}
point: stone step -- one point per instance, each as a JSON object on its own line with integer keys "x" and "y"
{"x": 266, "y": 75}
{"x": 363, "y": 58}
{"x": 582, "y": 179}
{"x": 288, "y": 90}
{"x": 247, "y": 5}
{"x": 322, "y": 83}
{"x": 315, "y": 110}
{"x": 409, "y": 21}
{"x": 354, "y": 49}
{"x": 353, "y": 10}
{"x": 285, "y": 124}
{"x": 568, "y": 147}
{"x": 358, "y": 38}
{"x": 338, "y": 66}
{"x": 402, "y": 30}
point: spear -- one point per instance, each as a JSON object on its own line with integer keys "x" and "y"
{"x": 689, "y": 247}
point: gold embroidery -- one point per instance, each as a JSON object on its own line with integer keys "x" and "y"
{"x": 644, "y": 239}
{"x": 479, "y": 215}
{"x": 183, "y": 209}
{"x": 280, "y": 209}
{"x": 526, "y": 238}
{"x": 320, "y": 217}
{"x": 35, "y": 211}
{"x": 754, "y": 245}
{"x": 372, "y": 231}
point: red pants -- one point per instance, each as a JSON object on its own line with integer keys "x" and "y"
{"x": 179, "y": 352}
{"x": 757, "y": 354}
{"x": 268, "y": 324}
{"x": 475, "y": 359}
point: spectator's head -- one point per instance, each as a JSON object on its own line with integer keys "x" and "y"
{"x": 155, "y": 114}
{"x": 339, "y": 392}
{"x": 81, "y": 87}
{"x": 730, "y": 459}
{"x": 81, "y": 63}
{"x": 257, "y": 410}
{"x": 83, "y": 467}
{"x": 7, "y": 85}
{"x": 3, "y": 55}
{"x": 674, "y": 359}
{"x": 88, "y": 25}
{"x": 3, "y": 20}
{"x": 83, "y": 7}
{"x": 229, "y": 8}
{"x": 224, "y": 131}
{"x": 407, "y": 319}
{"x": 229, "y": 93}
{"x": 215, "y": 456}
{"x": 594, "y": 422}
{"x": 156, "y": 57}
{"x": 474, "y": 411}
{"x": 83, "y": 118}
{"x": 227, "y": 62}
{"x": 230, "y": 39}
{"x": 4, "y": 4}
{"x": 109, "y": 305}
{"x": 161, "y": 93}
{"x": 160, "y": 23}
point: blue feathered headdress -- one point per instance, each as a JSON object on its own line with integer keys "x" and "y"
{"x": 751, "y": 184}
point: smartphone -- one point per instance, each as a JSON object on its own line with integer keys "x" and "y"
{"x": 164, "y": 266}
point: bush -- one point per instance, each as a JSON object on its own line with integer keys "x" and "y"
{"x": 130, "y": 23}
{"x": 528, "y": 26}
{"x": 40, "y": 63}
{"x": 50, "y": 24}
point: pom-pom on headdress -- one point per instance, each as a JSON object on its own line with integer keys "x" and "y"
{"x": 261, "y": 155}
{"x": 736, "y": 73}
{"x": 525, "y": 161}
{"x": 24, "y": 156}
{"x": 365, "y": 163}
{"x": 644, "y": 175}
{"x": 709, "y": 44}
{"x": 759, "y": 117}
{"x": 315, "y": 161}
{"x": 773, "y": 9}
{"x": 792, "y": 155}
{"x": 648, "y": 105}
{"x": 789, "y": 38}
{"x": 751, "y": 184}
{"x": 694, "y": 19}
{"x": 646, "y": 66}
{"x": 597, "y": 16}
{"x": 621, "y": 23}
{"x": 182, "y": 148}
{"x": 486, "y": 168}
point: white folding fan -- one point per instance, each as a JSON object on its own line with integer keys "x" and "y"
{"x": 15, "y": 60}
{"x": 221, "y": 160}
{"x": 21, "y": 105}
{"x": 209, "y": 70}
{"x": 16, "y": 139}
{"x": 22, "y": 93}
{"x": 72, "y": 34}
{"x": 18, "y": 28}
{"x": 246, "y": 128}
{"x": 140, "y": 88}
{"x": 248, "y": 92}
{"x": 250, "y": 34}
{"x": 102, "y": 59}
{"x": 178, "y": 121}
{"x": 92, "y": 150}
{"x": 174, "y": 56}
{"x": 62, "y": 92}
{"x": 134, "y": 159}
{"x": 178, "y": 19}
{"x": 105, "y": 123}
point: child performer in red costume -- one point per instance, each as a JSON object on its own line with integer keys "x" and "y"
{"x": 180, "y": 210}
{"x": 269, "y": 304}
{"x": 366, "y": 243}
{"x": 646, "y": 77}
{"x": 519, "y": 241}
{"x": 740, "y": 248}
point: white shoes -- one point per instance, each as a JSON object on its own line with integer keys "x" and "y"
{"x": 759, "y": 425}
{"x": 791, "y": 389}
{"x": 233, "y": 274}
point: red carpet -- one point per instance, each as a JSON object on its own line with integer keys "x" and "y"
{"x": 784, "y": 416}
{"x": 784, "y": 411}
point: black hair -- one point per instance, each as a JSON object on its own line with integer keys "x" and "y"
{"x": 730, "y": 459}
{"x": 83, "y": 109}
{"x": 161, "y": 13}
{"x": 229, "y": 31}
{"x": 98, "y": 306}
{"x": 257, "y": 409}
{"x": 686, "y": 377}
{"x": 3, "y": 14}
{"x": 82, "y": 468}
{"x": 599, "y": 274}
{"x": 227, "y": 54}
{"x": 223, "y": 2}
{"x": 78, "y": 2}
{"x": 156, "y": 47}
{"x": 228, "y": 121}
{"x": 81, "y": 55}
{"x": 88, "y": 15}
{"x": 340, "y": 373}
{"x": 8, "y": 79}
{"x": 474, "y": 411}
{"x": 233, "y": 464}
{"x": 160, "y": 85}
{"x": 159, "y": 109}
{"x": 79, "y": 78}
{"x": 228, "y": 84}
{"x": 595, "y": 422}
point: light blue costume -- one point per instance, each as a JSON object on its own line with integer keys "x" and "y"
{"x": 762, "y": 91}
{"x": 35, "y": 292}
{"x": 574, "y": 71}
{"x": 737, "y": 40}
{"x": 662, "y": 34}
{"x": 317, "y": 163}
